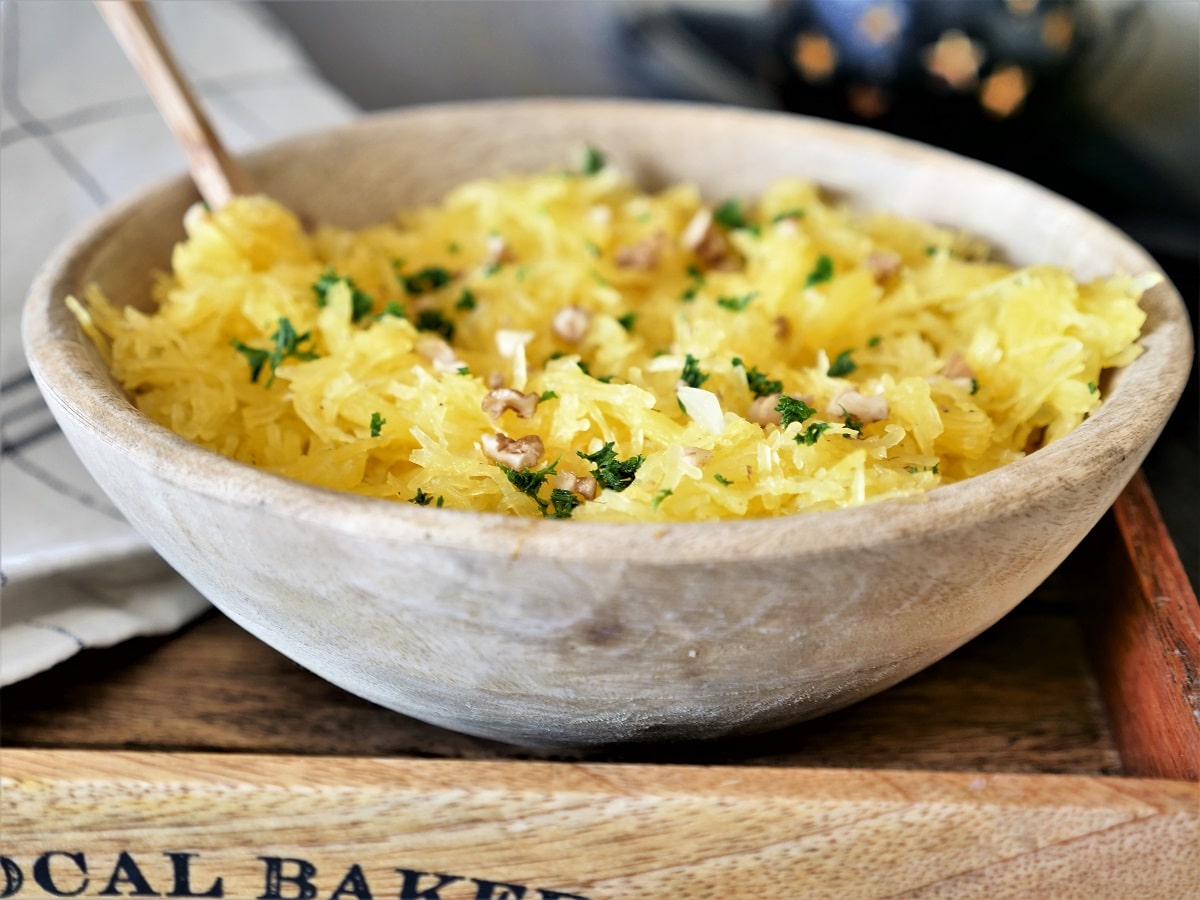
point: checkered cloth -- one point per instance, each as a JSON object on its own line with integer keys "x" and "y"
{"x": 77, "y": 132}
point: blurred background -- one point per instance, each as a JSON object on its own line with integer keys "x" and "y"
{"x": 1098, "y": 100}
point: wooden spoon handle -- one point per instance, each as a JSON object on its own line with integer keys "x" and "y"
{"x": 217, "y": 175}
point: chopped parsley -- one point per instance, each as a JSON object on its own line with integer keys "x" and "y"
{"x": 563, "y": 503}
{"x": 547, "y": 395}
{"x": 809, "y": 435}
{"x": 1091, "y": 386}
{"x": 530, "y": 481}
{"x": 822, "y": 271}
{"x": 466, "y": 300}
{"x": 693, "y": 289}
{"x": 788, "y": 214}
{"x": 692, "y": 375}
{"x": 721, "y": 479}
{"x": 760, "y": 385}
{"x": 393, "y": 309}
{"x": 361, "y": 303}
{"x": 422, "y": 499}
{"x": 854, "y": 424}
{"x": 660, "y": 497}
{"x": 453, "y": 247}
{"x": 627, "y": 321}
{"x": 729, "y": 215}
{"x": 428, "y": 279}
{"x": 287, "y": 346}
{"x": 609, "y": 471}
{"x": 463, "y": 370}
{"x": 593, "y": 160}
{"x": 433, "y": 320}
{"x": 842, "y": 366}
{"x": 792, "y": 410}
{"x": 874, "y": 341}
{"x": 736, "y": 304}
{"x": 975, "y": 386}
{"x": 377, "y": 423}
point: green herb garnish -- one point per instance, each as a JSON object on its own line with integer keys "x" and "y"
{"x": 421, "y": 498}
{"x": 393, "y": 309}
{"x": 736, "y": 304}
{"x": 547, "y": 395}
{"x": 721, "y": 479}
{"x": 698, "y": 282}
{"x": 822, "y": 271}
{"x": 530, "y": 481}
{"x": 660, "y": 497}
{"x": 563, "y": 502}
{"x": 593, "y": 160}
{"x": 360, "y": 301}
{"x": 428, "y": 279}
{"x": 788, "y": 214}
{"x": 760, "y": 385}
{"x": 731, "y": 215}
{"x": 792, "y": 410}
{"x": 609, "y": 471}
{"x": 433, "y": 320}
{"x": 842, "y": 366}
{"x": 466, "y": 300}
{"x": 377, "y": 423}
{"x": 287, "y": 346}
{"x": 692, "y": 375}
{"x": 810, "y": 434}
{"x": 627, "y": 321}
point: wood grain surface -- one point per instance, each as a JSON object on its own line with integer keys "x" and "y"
{"x": 1020, "y": 698}
{"x": 206, "y": 764}
{"x": 353, "y": 827}
{"x": 1145, "y": 639}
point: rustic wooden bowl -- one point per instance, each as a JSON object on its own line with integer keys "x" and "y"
{"x": 555, "y": 633}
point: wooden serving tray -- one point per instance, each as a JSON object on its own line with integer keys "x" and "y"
{"x": 1057, "y": 755}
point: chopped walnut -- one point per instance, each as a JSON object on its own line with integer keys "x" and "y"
{"x": 696, "y": 456}
{"x": 762, "y": 411}
{"x": 518, "y": 455}
{"x": 956, "y": 367}
{"x": 497, "y": 250}
{"x": 1035, "y": 438}
{"x": 865, "y": 409}
{"x": 440, "y": 354}
{"x": 496, "y": 401}
{"x": 495, "y": 380}
{"x": 882, "y": 264}
{"x": 571, "y": 324}
{"x": 704, "y": 238}
{"x": 585, "y": 486}
{"x": 643, "y": 255}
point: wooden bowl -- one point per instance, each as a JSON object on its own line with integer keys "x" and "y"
{"x": 571, "y": 633}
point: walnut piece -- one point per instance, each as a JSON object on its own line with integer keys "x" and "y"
{"x": 519, "y": 455}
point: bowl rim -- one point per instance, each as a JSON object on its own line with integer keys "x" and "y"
{"x": 65, "y": 366}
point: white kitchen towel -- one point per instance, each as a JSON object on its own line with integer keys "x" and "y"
{"x": 78, "y": 132}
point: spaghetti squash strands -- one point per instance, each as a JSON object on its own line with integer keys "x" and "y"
{"x": 562, "y": 345}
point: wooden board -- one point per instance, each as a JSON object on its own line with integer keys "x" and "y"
{"x": 1056, "y": 755}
